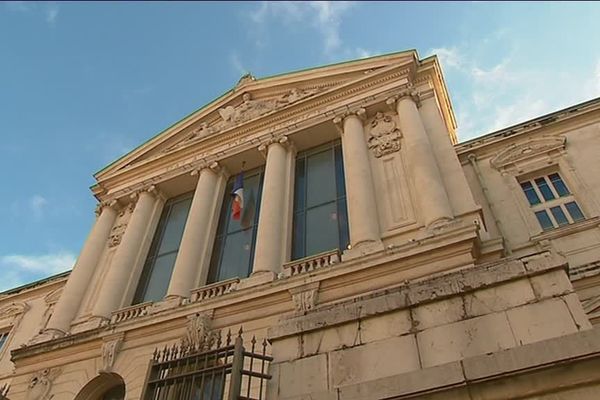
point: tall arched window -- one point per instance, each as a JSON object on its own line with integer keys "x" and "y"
{"x": 233, "y": 251}
{"x": 158, "y": 268}
{"x": 320, "y": 213}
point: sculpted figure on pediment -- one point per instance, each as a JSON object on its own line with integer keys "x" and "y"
{"x": 385, "y": 136}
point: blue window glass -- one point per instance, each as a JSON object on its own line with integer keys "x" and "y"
{"x": 320, "y": 213}
{"x": 544, "y": 188}
{"x": 158, "y": 268}
{"x": 559, "y": 216}
{"x": 559, "y": 185}
{"x": 233, "y": 250}
{"x": 530, "y": 193}
{"x": 544, "y": 220}
{"x": 3, "y": 337}
{"x": 574, "y": 210}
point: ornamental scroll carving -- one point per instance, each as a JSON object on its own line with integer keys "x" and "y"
{"x": 384, "y": 137}
{"x": 109, "y": 353}
{"x": 305, "y": 297}
{"x": 516, "y": 153}
{"x": 40, "y": 384}
{"x": 249, "y": 109}
{"x": 199, "y": 334}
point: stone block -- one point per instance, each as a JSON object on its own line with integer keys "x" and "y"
{"x": 466, "y": 338}
{"x": 405, "y": 384}
{"x": 303, "y": 376}
{"x": 286, "y": 349}
{"x": 544, "y": 320}
{"x": 498, "y": 298}
{"x": 553, "y": 283}
{"x": 332, "y": 338}
{"x": 543, "y": 262}
{"x": 373, "y": 361}
{"x": 438, "y": 313}
{"x": 579, "y": 316}
{"x": 385, "y": 326}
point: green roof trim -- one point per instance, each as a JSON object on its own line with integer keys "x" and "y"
{"x": 256, "y": 80}
{"x": 33, "y": 284}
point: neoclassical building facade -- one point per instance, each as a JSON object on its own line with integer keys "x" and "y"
{"x": 323, "y": 235}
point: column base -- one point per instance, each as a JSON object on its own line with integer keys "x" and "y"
{"x": 362, "y": 249}
{"x": 169, "y": 302}
{"x": 92, "y": 323}
{"x": 257, "y": 278}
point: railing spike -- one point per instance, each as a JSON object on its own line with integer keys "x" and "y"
{"x": 228, "y": 342}
{"x": 240, "y": 331}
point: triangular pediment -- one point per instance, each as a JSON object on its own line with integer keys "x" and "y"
{"x": 253, "y": 99}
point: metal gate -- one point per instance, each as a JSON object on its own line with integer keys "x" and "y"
{"x": 220, "y": 370}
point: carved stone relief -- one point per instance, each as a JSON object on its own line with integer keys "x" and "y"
{"x": 519, "y": 152}
{"x": 40, "y": 384}
{"x": 116, "y": 234}
{"x": 384, "y": 137}
{"x": 305, "y": 297}
{"x": 198, "y": 332}
{"x": 109, "y": 353}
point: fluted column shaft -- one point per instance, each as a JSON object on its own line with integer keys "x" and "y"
{"x": 195, "y": 235}
{"x": 67, "y": 306}
{"x": 269, "y": 253}
{"x": 117, "y": 278}
{"x": 360, "y": 191}
{"x": 431, "y": 193}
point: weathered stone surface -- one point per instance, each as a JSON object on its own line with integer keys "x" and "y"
{"x": 303, "y": 376}
{"x": 544, "y": 320}
{"x": 286, "y": 349}
{"x": 462, "y": 339}
{"x": 385, "y": 326}
{"x": 439, "y": 313}
{"x": 551, "y": 284}
{"x": 325, "y": 340}
{"x": 498, "y": 298}
{"x": 404, "y": 384}
{"x": 579, "y": 316}
{"x": 544, "y": 261}
{"x": 374, "y": 360}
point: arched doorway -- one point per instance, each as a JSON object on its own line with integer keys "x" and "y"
{"x": 103, "y": 387}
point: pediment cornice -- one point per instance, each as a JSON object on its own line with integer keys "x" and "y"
{"x": 518, "y": 153}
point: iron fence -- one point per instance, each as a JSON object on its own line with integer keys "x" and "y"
{"x": 218, "y": 370}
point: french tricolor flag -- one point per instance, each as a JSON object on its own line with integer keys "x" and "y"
{"x": 238, "y": 197}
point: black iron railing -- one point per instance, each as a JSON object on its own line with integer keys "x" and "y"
{"x": 219, "y": 370}
{"x": 4, "y": 391}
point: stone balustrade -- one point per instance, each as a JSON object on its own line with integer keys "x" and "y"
{"x": 131, "y": 312}
{"x": 312, "y": 263}
{"x": 214, "y": 290}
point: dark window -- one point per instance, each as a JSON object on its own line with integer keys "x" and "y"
{"x": 574, "y": 210}
{"x": 544, "y": 189}
{"x": 116, "y": 393}
{"x": 3, "y": 338}
{"x": 544, "y": 220}
{"x": 320, "y": 215}
{"x": 233, "y": 252}
{"x": 159, "y": 265}
{"x": 530, "y": 193}
{"x": 559, "y": 216}
{"x": 559, "y": 185}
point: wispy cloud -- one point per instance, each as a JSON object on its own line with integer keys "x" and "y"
{"x": 323, "y": 16}
{"x": 52, "y": 10}
{"x": 237, "y": 64}
{"x": 19, "y": 269}
{"x": 37, "y": 204}
{"x": 19, "y": 6}
{"x": 489, "y": 96}
{"x": 49, "y": 10}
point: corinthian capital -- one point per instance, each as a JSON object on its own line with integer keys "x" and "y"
{"x": 277, "y": 138}
{"x": 338, "y": 120}
{"x": 104, "y": 204}
{"x": 409, "y": 92}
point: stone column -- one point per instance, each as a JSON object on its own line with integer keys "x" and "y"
{"x": 196, "y": 234}
{"x": 422, "y": 166}
{"x": 117, "y": 278}
{"x": 360, "y": 191}
{"x": 80, "y": 277}
{"x": 269, "y": 252}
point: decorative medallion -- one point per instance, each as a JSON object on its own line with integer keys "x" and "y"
{"x": 109, "y": 353}
{"x": 385, "y": 136}
{"x": 40, "y": 384}
{"x": 199, "y": 334}
{"x": 116, "y": 234}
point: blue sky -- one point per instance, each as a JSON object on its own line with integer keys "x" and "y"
{"x": 83, "y": 83}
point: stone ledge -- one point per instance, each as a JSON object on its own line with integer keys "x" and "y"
{"x": 420, "y": 292}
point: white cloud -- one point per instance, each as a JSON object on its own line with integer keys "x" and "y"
{"x": 236, "y": 63}
{"x": 46, "y": 263}
{"x": 449, "y": 57}
{"x": 19, "y": 6}
{"x": 324, "y": 16}
{"x": 52, "y": 13}
{"x": 37, "y": 204}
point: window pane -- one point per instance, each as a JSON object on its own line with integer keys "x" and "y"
{"x": 559, "y": 216}
{"x": 320, "y": 179}
{"x": 343, "y": 224}
{"x": 532, "y": 196}
{"x": 298, "y": 236}
{"x": 544, "y": 189}
{"x": 299, "y": 185}
{"x": 544, "y": 220}
{"x": 339, "y": 172}
{"x": 250, "y": 207}
{"x": 160, "y": 276}
{"x": 3, "y": 337}
{"x": 322, "y": 229}
{"x": 173, "y": 232}
{"x": 236, "y": 257}
{"x": 559, "y": 185}
{"x": 575, "y": 211}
